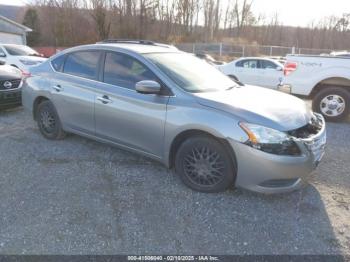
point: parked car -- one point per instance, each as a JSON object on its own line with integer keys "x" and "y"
{"x": 179, "y": 110}
{"x": 341, "y": 53}
{"x": 280, "y": 59}
{"x": 324, "y": 79}
{"x": 20, "y": 56}
{"x": 258, "y": 71}
{"x": 10, "y": 86}
{"x": 209, "y": 59}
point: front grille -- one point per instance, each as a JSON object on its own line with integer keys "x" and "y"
{"x": 309, "y": 130}
{"x": 4, "y": 84}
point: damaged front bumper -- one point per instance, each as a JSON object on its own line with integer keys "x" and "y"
{"x": 269, "y": 173}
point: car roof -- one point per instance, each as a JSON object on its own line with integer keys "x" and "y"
{"x": 142, "y": 48}
{"x": 256, "y": 57}
{"x": 134, "y": 47}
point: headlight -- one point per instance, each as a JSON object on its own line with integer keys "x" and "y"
{"x": 28, "y": 62}
{"x": 270, "y": 140}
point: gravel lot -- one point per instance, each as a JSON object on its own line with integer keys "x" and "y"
{"x": 78, "y": 196}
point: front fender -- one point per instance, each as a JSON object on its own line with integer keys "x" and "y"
{"x": 195, "y": 117}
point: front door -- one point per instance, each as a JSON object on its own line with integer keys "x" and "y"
{"x": 125, "y": 116}
{"x": 270, "y": 74}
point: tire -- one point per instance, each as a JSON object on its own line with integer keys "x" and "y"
{"x": 333, "y": 103}
{"x": 194, "y": 158}
{"x": 48, "y": 121}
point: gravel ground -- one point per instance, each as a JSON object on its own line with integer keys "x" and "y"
{"x": 78, "y": 196}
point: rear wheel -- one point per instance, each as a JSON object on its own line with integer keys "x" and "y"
{"x": 332, "y": 103}
{"x": 48, "y": 121}
{"x": 204, "y": 165}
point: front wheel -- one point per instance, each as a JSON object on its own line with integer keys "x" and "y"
{"x": 204, "y": 165}
{"x": 332, "y": 103}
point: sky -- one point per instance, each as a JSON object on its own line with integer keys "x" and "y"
{"x": 290, "y": 12}
{"x": 301, "y": 12}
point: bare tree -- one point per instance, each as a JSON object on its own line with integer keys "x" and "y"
{"x": 72, "y": 22}
{"x": 99, "y": 13}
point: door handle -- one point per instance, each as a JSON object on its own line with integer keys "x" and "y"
{"x": 104, "y": 99}
{"x": 58, "y": 88}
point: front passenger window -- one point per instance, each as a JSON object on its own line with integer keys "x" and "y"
{"x": 268, "y": 65}
{"x": 125, "y": 71}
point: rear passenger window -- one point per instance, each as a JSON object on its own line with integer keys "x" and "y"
{"x": 83, "y": 64}
{"x": 125, "y": 71}
{"x": 239, "y": 63}
{"x": 57, "y": 63}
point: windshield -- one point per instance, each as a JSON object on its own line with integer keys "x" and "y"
{"x": 20, "y": 50}
{"x": 190, "y": 73}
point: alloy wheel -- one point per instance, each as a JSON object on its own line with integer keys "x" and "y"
{"x": 332, "y": 105}
{"x": 203, "y": 166}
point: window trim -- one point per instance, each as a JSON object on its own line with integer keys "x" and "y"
{"x": 248, "y": 60}
{"x": 165, "y": 91}
{"x": 62, "y": 66}
{"x": 262, "y": 61}
{"x": 80, "y": 51}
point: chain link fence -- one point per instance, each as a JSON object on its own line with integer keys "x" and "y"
{"x": 232, "y": 51}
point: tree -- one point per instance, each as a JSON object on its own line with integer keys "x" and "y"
{"x": 31, "y": 20}
{"x": 343, "y": 24}
{"x": 99, "y": 13}
{"x": 242, "y": 14}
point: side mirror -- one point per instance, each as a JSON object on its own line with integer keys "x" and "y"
{"x": 2, "y": 62}
{"x": 2, "y": 54}
{"x": 148, "y": 87}
{"x": 279, "y": 68}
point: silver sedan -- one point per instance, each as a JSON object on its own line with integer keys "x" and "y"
{"x": 170, "y": 106}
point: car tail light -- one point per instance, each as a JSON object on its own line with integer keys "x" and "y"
{"x": 290, "y": 67}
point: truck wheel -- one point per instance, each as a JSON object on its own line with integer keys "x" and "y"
{"x": 48, "y": 121}
{"x": 204, "y": 165}
{"x": 333, "y": 103}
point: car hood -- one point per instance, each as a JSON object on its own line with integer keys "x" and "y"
{"x": 261, "y": 106}
{"x": 32, "y": 58}
{"x": 9, "y": 73}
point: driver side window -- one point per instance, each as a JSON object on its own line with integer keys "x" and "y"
{"x": 265, "y": 64}
{"x": 125, "y": 71}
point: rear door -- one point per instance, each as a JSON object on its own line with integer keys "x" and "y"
{"x": 125, "y": 116}
{"x": 73, "y": 89}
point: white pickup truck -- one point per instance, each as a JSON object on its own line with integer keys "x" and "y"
{"x": 324, "y": 79}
